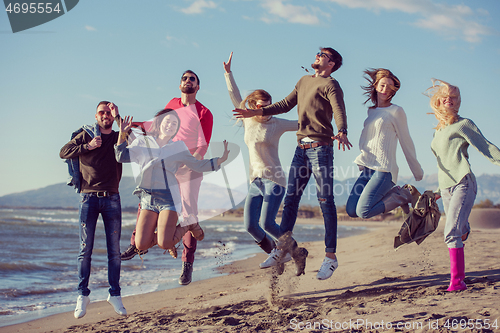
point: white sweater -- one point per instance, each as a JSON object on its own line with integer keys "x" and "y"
{"x": 148, "y": 169}
{"x": 262, "y": 140}
{"x": 379, "y": 140}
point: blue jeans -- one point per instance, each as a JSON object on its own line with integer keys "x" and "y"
{"x": 110, "y": 209}
{"x": 458, "y": 201}
{"x": 263, "y": 201}
{"x": 306, "y": 162}
{"x": 365, "y": 199}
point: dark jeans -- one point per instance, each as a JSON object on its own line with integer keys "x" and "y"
{"x": 306, "y": 162}
{"x": 110, "y": 209}
{"x": 262, "y": 204}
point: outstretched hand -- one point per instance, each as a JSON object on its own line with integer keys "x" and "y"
{"x": 125, "y": 126}
{"x": 246, "y": 113}
{"x": 343, "y": 140}
{"x": 225, "y": 154}
{"x": 227, "y": 66}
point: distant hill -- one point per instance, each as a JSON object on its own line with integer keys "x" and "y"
{"x": 216, "y": 197}
{"x": 62, "y": 195}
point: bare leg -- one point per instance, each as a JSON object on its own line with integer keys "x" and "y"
{"x": 169, "y": 233}
{"x": 145, "y": 231}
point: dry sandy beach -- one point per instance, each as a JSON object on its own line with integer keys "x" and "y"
{"x": 375, "y": 289}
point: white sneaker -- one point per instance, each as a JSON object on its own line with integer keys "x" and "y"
{"x": 116, "y": 301}
{"x": 327, "y": 268}
{"x": 81, "y": 306}
{"x": 275, "y": 257}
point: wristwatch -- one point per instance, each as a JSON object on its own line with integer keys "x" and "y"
{"x": 343, "y": 130}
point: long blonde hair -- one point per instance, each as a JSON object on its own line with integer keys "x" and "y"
{"x": 439, "y": 90}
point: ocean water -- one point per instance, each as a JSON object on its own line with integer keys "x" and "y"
{"x": 38, "y": 272}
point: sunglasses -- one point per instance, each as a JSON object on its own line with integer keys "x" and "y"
{"x": 102, "y": 113}
{"x": 321, "y": 54}
{"x": 191, "y": 78}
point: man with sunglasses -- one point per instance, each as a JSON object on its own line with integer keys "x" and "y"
{"x": 319, "y": 100}
{"x": 196, "y": 131}
{"x": 101, "y": 175}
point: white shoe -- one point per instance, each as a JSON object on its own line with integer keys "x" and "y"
{"x": 275, "y": 257}
{"x": 327, "y": 268}
{"x": 116, "y": 301}
{"x": 81, "y": 306}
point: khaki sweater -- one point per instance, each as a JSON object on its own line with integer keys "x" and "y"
{"x": 319, "y": 100}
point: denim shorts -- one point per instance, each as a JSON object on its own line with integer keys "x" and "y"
{"x": 156, "y": 200}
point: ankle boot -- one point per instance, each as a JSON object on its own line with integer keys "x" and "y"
{"x": 196, "y": 231}
{"x": 178, "y": 234}
{"x": 286, "y": 243}
{"x": 187, "y": 272}
{"x": 397, "y": 197}
{"x": 457, "y": 269}
{"x": 266, "y": 244}
{"x": 415, "y": 194}
{"x": 299, "y": 255}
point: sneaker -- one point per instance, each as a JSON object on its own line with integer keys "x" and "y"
{"x": 299, "y": 256}
{"x": 131, "y": 252}
{"x": 275, "y": 257}
{"x": 81, "y": 306}
{"x": 116, "y": 301}
{"x": 327, "y": 268}
{"x": 187, "y": 272}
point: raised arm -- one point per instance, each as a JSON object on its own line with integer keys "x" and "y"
{"x": 232, "y": 88}
{"x": 125, "y": 126}
{"x": 122, "y": 153}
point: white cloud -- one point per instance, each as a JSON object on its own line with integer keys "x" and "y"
{"x": 90, "y": 28}
{"x": 198, "y": 6}
{"x": 455, "y": 21}
{"x": 289, "y": 12}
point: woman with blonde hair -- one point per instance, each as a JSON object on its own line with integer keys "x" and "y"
{"x": 158, "y": 158}
{"x": 457, "y": 183}
{"x": 374, "y": 192}
{"x": 267, "y": 178}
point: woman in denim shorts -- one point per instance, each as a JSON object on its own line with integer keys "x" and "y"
{"x": 457, "y": 184}
{"x": 158, "y": 158}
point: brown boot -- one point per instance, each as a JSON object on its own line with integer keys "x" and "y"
{"x": 179, "y": 233}
{"x": 299, "y": 255}
{"x": 196, "y": 231}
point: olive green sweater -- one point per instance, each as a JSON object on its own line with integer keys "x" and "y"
{"x": 450, "y": 146}
{"x": 319, "y": 100}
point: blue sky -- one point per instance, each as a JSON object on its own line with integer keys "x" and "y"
{"x": 133, "y": 53}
